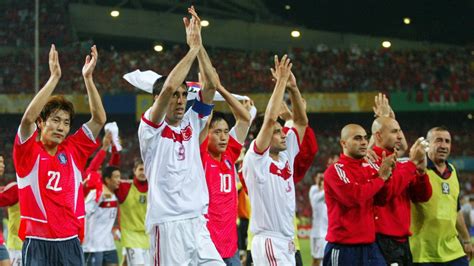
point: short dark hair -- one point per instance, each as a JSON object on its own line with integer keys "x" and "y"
{"x": 259, "y": 122}
{"x": 137, "y": 163}
{"x": 107, "y": 172}
{"x": 158, "y": 85}
{"x": 438, "y": 128}
{"x": 216, "y": 117}
{"x": 55, "y": 103}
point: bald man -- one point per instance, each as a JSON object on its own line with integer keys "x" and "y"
{"x": 409, "y": 182}
{"x": 350, "y": 185}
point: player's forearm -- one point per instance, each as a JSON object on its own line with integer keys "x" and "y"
{"x": 461, "y": 228}
{"x": 209, "y": 74}
{"x": 274, "y": 104}
{"x": 39, "y": 101}
{"x": 98, "y": 116}
{"x": 238, "y": 110}
{"x": 299, "y": 110}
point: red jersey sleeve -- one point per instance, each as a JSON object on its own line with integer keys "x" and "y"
{"x": 348, "y": 192}
{"x": 233, "y": 149}
{"x": 25, "y": 154}
{"x": 9, "y": 195}
{"x": 123, "y": 190}
{"x": 96, "y": 163}
{"x": 402, "y": 176}
{"x": 115, "y": 157}
{"x": 82, "y": 145}
{"x": 304, "y": 159}
{"x": 420, "y": 189}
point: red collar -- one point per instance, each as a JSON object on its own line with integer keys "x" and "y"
{"x": 142, "y": 186}
{"x": 379, "y": 151}
{"x": 346, "y": 159}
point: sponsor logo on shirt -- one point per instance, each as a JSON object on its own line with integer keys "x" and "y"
{"x": 62, "y": 158}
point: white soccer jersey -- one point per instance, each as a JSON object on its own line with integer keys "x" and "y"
{"x": 100, "y": 219}
{"x": 320, "y": 212}
{"x": 271, "y": 189}
{"x": 177, "y": 186}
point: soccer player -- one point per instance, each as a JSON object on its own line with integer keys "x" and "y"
{"x": 49, "y": 163}
{"x": 219, "y": 151}
{"x": 101, "y": 211}
{"x": 320, "y": 219}
{"x": 350, "y": 185}
{"x": 8, "y": 198}
{"x": 132, "y": 197}
{"x": 408, "y": 182}
{"x": 268, "y": 174}
{"x": 440, "y": 236}
{"x": 169, "y": 146}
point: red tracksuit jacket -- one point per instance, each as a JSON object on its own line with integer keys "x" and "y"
{"x": 350, "y": 186}
{"x": 393, "y": 217}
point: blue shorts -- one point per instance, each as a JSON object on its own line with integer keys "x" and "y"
{"x": 101, "y": 258}
{"x": 233, "y": 261}
{"x": 52, "y": 253}
{"x": 4, "y": 253}
{"x": 353, "y": 255}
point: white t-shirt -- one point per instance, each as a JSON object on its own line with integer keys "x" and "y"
{"x": 320, "y": 212}
{"x": 176, "y": 183}
{"x": 271, "y": 189}
{"x": 100, "y": 219}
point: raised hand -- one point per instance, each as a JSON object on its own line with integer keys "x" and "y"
{"x": 418, "y": 154}
{"x": 193, "y": 29}
{"x": 89, "y": 64}
{"x": 291, "y": 81}
{"x": 106, "y": 141}
{"x": 282, "y": 68}
{"x": 387, "y": 165}
{"x": 382, "y": 107}
{"x": 54, "y": 66}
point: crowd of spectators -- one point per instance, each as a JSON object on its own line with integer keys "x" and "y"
{"x": 18, "y": 23}
{"x": 437, "y": 75}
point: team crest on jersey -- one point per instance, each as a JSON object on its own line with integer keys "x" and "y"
{"x": 62, "y": 158}
{"x": 445, "y": 188}
{"x": 142, "y": 199}
{"x": 187, "y": 132}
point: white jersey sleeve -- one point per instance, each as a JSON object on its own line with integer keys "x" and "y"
{"x": 91, "y": 204}
{"x": 292, "y": 144}
{"x": 147, "y": 132}
{"x": 253, "y": 161}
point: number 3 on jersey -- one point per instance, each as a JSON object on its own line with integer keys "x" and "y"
{"x": 54, "y": 181}
{"x": 226, "y": 183}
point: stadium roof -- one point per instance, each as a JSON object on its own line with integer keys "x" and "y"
{"x": 431, "y": 20}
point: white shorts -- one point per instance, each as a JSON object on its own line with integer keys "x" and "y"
{"x": 15, "y": 257}
{"x": 271, "y": 251}
{"x": 137, "y": 256}
{"x": 183, "y": 242}
{"x": 318, "y": 244}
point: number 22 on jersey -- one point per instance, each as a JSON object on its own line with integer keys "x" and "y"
{"x": 54, "y": 181}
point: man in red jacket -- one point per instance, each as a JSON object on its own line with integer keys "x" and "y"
{"x": 409, "y": 182}
{"x": 350, "y": 185}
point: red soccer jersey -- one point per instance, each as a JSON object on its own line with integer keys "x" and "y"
{"x": 221, "y": 183}
{"x": 50, "y": 190}
{"x": 8, "y": 197}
